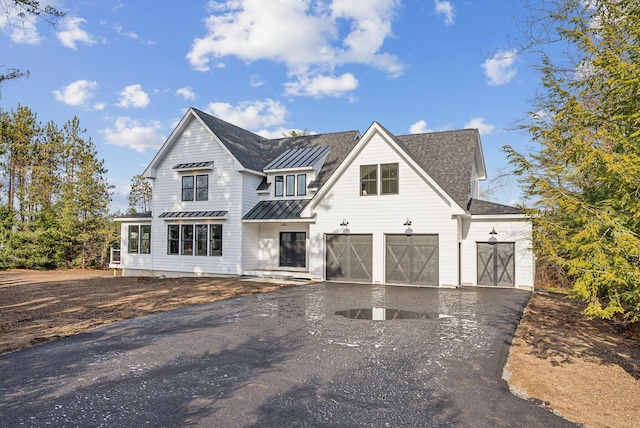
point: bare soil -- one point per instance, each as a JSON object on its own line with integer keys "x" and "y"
{"x": 583, "y": 370}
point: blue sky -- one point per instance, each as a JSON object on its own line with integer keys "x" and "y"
{"x": 129, "y": 69}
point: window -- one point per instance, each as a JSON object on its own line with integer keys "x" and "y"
{"x": 302, "y": 184}
{"x": 279, "y": 190}
{"x": 201, "y": 190}
{"x": 201, "y": 239}
{"x": 173, "y": 239}
{"x": 389, "y": 179}
{"x": 187, "y": 188}
{"x": 134, "y": 235}
{"x": 291, "y": 185}
{"x": 187, "y": 240}
{"x": 190, "y": 239}
{"x": 215, "y": 242}
{"x": 293, "y": 249}
{"x": 202, "y": 187}
{"x": 145, "y": 239}
{"x": 369, "y": 180}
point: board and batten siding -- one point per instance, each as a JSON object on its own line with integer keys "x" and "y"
{"x": 516, "y": 231}
{"x": 196, "y": 144}
{"x": 378, "y": 215}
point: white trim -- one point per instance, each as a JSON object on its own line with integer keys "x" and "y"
{"x": 134, "y": 219}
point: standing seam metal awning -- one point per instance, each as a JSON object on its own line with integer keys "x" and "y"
{"x": 174, "y": 215}
{"x": 286, "y": 209}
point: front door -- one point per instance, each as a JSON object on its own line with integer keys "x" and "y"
{"x": 293, "y": 249}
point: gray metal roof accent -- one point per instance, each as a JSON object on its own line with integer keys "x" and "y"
{"x": 277, "y": 210}
{"x": 193, "y": 165}
{"x": 297, "y": 158}
{"x": 193, "y": 214}
{"x": 144, "y": 214}
{"x": 480, "y": 207}
{"x": 447, "y": 157}
{"x": 264, "y": 185}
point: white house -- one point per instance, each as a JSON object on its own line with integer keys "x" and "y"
{"x": 371, "y": 208}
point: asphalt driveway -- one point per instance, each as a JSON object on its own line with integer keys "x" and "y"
{"x": 284, "y": 359}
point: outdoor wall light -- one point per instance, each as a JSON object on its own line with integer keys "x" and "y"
{"x": 345, "y": 224}
{"x": 493, "y": 233}
{"x": 408, "y": 231}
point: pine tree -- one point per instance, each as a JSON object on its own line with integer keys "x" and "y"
{"x": 140, "y": 195}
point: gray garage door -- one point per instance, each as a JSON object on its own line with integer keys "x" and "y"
{"x": 496, "y": 264}
{"x": 349, "y": 258}
{"x": 412, "y": 259}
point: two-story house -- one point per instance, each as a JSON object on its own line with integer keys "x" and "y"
{"x": 370, "y": 208}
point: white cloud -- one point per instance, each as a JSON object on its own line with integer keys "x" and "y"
{"x": 71, "y": 33}
{"x": 319, "y": 86}
{"x": 133, "y": 96}
{"x": 305, "y": 36}
{"x": 255, "y": 81}
{"x": 420, "y": 127}
{"x": 99, "y": 106}
{"x": 186, "y": 93}
{"x": 479, "y": 124}
{"x": 445, "y": 8}
{"x": 250, "y": 114}
{"x": 76, "y": 93}
{"x": 130, "y": 133}
{"x": 130, "y": 34}
{"x": 21, "y": 30}
{"x": 500, "y": 69}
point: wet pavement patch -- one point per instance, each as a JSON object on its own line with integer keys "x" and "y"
{"x": 385, "y": 314}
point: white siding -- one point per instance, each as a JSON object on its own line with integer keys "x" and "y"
{"x": 128, "y": 260}
{"x": 250, "y": 231}
{"x": 225, "y": 189}
{"x": 516, "y": 231}
{"x": 385, "y": 214}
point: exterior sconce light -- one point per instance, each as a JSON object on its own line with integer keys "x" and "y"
{"x": 408, "y": 231}
{"x": 345, "y": 224}
{"x": 493, "y": 240}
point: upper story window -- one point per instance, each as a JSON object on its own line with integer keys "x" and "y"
{"x": 302, "y": 184}
{"x": 279, "y": 190}
{"x": 197, "y": 186}
{"x": 369, "y": 180}
{"x": 389, "y": 179}
{"x": 291, "y": 185}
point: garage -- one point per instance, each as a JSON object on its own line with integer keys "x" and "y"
{"x": 411, "y": 259}
{"x": 496, "y": 265}
{"x": 349, "y": 258}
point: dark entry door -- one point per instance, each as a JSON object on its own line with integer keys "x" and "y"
{"x": 349, "y": 258}
{"x": 496, "y": 265}
{"x": 412, "y": 259}
{"x": 293, "y": 249}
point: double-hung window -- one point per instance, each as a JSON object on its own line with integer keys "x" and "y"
{"x": 173, "y": 239}
{"x": 187, "y": 240}
{"x": 369, "y": 180}
{"x": 140, "y": 239}
{"x": 195, "y": 186}
{"x": 389, "y": 179}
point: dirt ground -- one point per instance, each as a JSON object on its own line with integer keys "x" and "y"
{"x": 581, "y": 369}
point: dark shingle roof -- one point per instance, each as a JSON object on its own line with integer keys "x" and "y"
{"x": 254, "y": 151}
{"x": 447, "y": 157}
{"x": 277, "y": 210}
{"x": 479, "y": 207}
{"x": 144, "y": 214}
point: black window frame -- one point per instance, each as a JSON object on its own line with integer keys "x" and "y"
{"x": 202, "y": 190}
{"x": 278, "y": 185}
{"x": 301, "y": 186}
{"x": 133, "y": 241}
{"x": 145, "y": 239}
{"x": 368, "y": 184}
{"x": 389, "y": 180}
{"x": 173, "y": 240}
{"x": 290, "y": 185}
{"x": 188, "y": 193}
{"x": 201, "y": 246}
{"x": 215, "y": 240}
{"x": 186, "y": 242}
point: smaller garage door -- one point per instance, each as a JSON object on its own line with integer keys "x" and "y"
{"x": 349, "y": 258}
{"x": 496, "y": 265}
{"x": 412, "y": 259}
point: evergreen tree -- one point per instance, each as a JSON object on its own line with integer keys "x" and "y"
{"x": 140, "y": 195}
{"x": 585, "y": 178}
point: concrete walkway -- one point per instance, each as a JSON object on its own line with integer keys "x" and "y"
{"x": 283, "y": 359}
